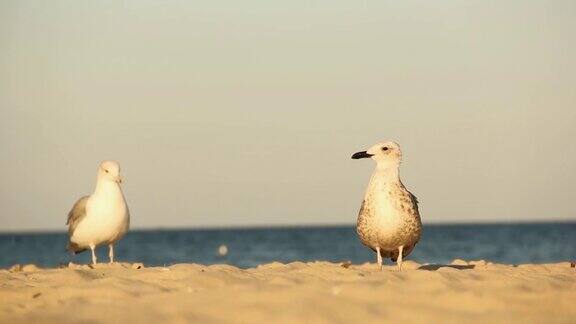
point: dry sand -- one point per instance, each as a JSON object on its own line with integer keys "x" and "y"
{"x": 318, "y": 292}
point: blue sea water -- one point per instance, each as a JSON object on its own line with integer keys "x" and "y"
{"x": 503, "y": 243}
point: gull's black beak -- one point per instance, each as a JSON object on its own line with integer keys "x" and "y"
{"x": 361, "y": 155}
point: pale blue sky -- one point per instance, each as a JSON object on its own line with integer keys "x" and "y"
{"x": 228, "y": 113}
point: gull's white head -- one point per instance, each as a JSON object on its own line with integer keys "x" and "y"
{"x": 109, "y": 171}
{"x": 386, "y": 154}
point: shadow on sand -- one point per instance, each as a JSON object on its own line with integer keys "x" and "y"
{"x": 434, "y": 267}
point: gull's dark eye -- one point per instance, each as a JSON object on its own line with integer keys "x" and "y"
{"x": 384, "y": 148}
{"x": 106, "y": 171}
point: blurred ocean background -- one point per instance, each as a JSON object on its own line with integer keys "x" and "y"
{"x": 502, "y": 243}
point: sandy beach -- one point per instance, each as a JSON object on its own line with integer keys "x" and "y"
{"x": 318, "y": 292}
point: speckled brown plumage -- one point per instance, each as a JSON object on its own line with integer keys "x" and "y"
{"x": 389, "y": 219}
{"x": 408, "y": 226}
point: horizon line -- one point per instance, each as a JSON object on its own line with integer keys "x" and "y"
{"x": 289, "y": 226}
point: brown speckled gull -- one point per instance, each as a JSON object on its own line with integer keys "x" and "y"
{"x": 389, "y": 220}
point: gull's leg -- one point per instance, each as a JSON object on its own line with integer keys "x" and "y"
{"x": 111, "y": 253}
{"x": 399, "y": 261}
{"x": 94, "y": 259}
{"x": 379, "y": 257}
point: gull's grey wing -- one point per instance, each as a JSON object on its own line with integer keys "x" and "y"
{"x": 76, "y": 214}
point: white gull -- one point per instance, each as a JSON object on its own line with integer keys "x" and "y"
{"x": 101, "y": 218}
